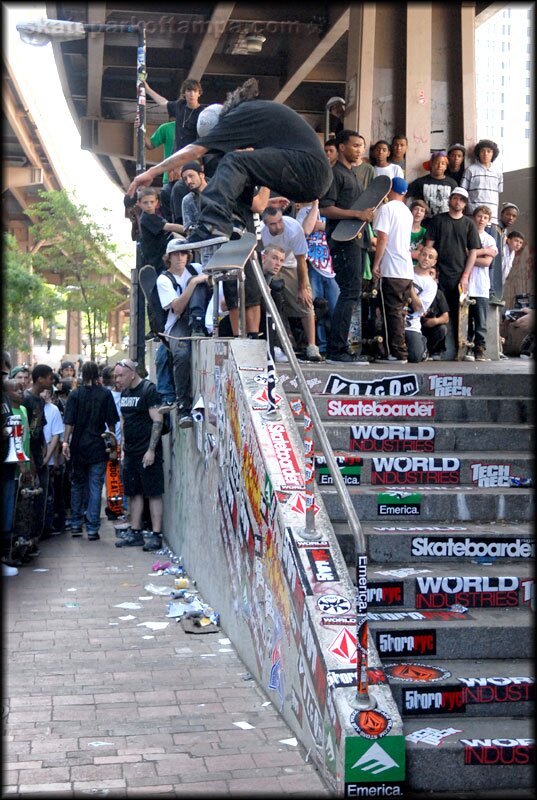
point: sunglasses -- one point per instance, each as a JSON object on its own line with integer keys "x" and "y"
{"x": 124, "y": 363}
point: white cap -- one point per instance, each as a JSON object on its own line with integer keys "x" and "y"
{"x": 459, "y": 190}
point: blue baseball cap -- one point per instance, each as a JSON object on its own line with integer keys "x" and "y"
{"x": 399, "y": 186}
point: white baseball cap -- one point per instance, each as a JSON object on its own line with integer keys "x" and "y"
{"x": 461, "y": 191}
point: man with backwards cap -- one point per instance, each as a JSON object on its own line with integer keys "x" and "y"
{"x": 393, "y": 266}
{"x": 265, "y": 144}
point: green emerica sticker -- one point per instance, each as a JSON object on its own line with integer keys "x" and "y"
{"x": 368, "y": 761}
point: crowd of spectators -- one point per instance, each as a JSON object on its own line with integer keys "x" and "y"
{"x": 453, "y": 212}
{"x": 55, "y": 458}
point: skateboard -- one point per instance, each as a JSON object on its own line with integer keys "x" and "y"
{"x": 228, "y": 262}
{"x": 372, "y": 197}
{"x": 27, "y": 524}
{"x": 463, "y": 345}
{"x": 364, "y": 335}
{"x": 114, "y": 487}
{"x": 147, "y": 278}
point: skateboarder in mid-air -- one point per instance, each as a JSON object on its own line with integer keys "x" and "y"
{"x": 264, "y": 144}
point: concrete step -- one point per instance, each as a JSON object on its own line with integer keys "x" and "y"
{"x": 443, "y": 468}
{"x": 481, "y": 752}
{"x": 418, "y": 437}
{"x": 435, "y": 379}
{"x": 495, "y": 687}
{"x": 485, "y": 633}
{"x": 422, "y": 409}
{"x": 442, "y": 504}
{"x": 392, "y": 541}
{"x": 432, "y": 586}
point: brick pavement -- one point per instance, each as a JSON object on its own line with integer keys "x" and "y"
{"x": 164, "y": 701}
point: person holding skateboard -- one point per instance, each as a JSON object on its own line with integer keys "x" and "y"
{"x": 249, "y": 132}
{"x": 347, "y": 256}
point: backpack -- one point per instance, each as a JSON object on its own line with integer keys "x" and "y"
{"x": 166, "y": 426}
{"x": 148, "y": 281}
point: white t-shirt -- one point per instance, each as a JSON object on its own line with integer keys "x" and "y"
{"x": 426, "y": 288}
{"x": 167, "y": 293}
{"x": 479, "y": 282}
{"x": 508, "y": 256}
{"x": 53, "y": 425}
{"x": 392, "y": 171}
{"x": 395, "y": 219}
{"x": 292, "y": 240}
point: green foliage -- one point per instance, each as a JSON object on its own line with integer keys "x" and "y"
{"x": 26, "y": 297}
{"x": 77, "y": 249}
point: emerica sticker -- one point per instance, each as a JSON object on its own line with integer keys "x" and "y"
{"x": 350, "y": 468}
{"x": 398, "y": 504}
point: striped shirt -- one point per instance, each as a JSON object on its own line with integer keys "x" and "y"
{"x": 484, "y": 187}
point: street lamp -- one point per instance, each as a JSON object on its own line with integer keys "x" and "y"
{"x": 40, "y": 33}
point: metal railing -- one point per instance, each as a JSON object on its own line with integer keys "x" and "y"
{"x": 313, "y": 420}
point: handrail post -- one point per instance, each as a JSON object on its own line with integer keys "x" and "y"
{"x": 362, "y": 699}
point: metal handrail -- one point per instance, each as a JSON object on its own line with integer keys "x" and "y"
{"x": 363, "y": 699}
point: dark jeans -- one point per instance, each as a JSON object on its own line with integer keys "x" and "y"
{"x": 181, "y": 350}
{"x": 477, "y": 323}
{"x": 395, "y": 293}
{"x": 452, "y": 298}
{"x": 41, "y": 504}
{"x": 294, "y": 174}
{"x": 436, "y": 339}
{"x": 165, "y": 198}
{"x": 416, "y": 345}
{"x": 88, "y": 481}
{"x": 347, "y": 262}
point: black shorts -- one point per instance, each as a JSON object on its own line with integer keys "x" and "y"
{"x": 137, "y": 480}
{"x": 252, "y": 292}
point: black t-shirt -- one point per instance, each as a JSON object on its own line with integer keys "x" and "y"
{"x": 259, "y": 124}
{"x": 186, "y": 120}
{"x": 154, "y": 239}
{"x": 90, "y": 409}
{"x": 435, "y": 192}
{"x": 344, "y": 190}
{"x": 439, "y": 305}
{"x": 452, "y": 239}
{"x": 35, "y": 407}
{"x": 137, "y": 424}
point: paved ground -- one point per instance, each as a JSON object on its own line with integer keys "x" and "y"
{"x": 162, "y": 703}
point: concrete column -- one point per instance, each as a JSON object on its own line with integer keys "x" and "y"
{"x": 468, "y": 87}
{"x": 73, "y": 342}
{"x": 360, "y": 63}
{"x": 418, "y": 86}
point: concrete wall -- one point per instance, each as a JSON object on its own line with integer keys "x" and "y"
{"x": 233, "y": 512}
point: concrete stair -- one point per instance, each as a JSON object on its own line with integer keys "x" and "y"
{"x": 463, "y": 681}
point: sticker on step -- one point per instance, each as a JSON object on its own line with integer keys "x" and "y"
{"x": 472, "y": 547}
{"x": 422, "y": 470}
{"x": 498, "y": 689}
{"x": 374, "y": 763}
{"x": 385, "y": 594}
{"x": 499, "y": 752}
{"x": 432, "y": 736}
{"x": 449, "y": 386}
{"x": 393, "y": 438}
{"x": 413, "y": 672}
{"x": 347, "y": 407}
{"x": 371, "y": 724}
{"x": 486, "y": 475}
{"x": 398, "y": 504}
{"x": 478, "y": 591}
{"x": 413, "y": 643}
{"x": 350, "y": 468}
{"x": 337, "y": 678}
{"x": 441, "y": 700}
{"x": 391, "y": 386}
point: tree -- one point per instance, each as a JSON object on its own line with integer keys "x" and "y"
{"x": 26, "y": 298}
{"x": 78, "y": 249}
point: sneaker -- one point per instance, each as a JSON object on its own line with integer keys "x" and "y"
{"x": 198, "y": 332}
{"x": 166, "y": 407}
{"x": 133, "y": 539}
{"x": 503, "y": 357}
{"x": 201, "y": 238}
{"x": 153, "y": 542}
{"x": 312, "y": 353}
{"x": 279, "y": 356}
{"x": 186, "y": 421}
{"x": 93, "y": 536}
{"x": 469, "y": 357}
{"x": 9, "y": 572}
{"x": 76, "y": 530}
{"x": 122, "y": 533}
{"x": 393, "y": 360}
{"x": 344, "y": 356}
{"x": 436, "y": 357}
{"x": 526, "y": 355}
{"x": 480, "y": 356}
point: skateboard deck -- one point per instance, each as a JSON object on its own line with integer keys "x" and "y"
{"x": 114, "y": 486}
{"x": 463, "y": 345}
{"x": 231, "y": 255}
{"x": 372, "y": 197}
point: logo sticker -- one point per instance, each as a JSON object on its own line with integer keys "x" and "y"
{"x": 396, "y": 386}
{"x": 414, "y": 673}
{"x": 421, "y": 470}
{"x": 344, "y": 647}
{"x": 333, "y": 604}
{"x": 432, "y": 736}
{"x": 448, "y": 386}
{"x": 393, "y": 438}
{"x": 398, "y": 504}
{"x": 371, "y": 724}
{"x": 364, "y": 761}
{"x": 410, "y": 643}
{"x": 472, "y": 547}
{"x": 322, "y": 564}
{"x": 350, "y": 468}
